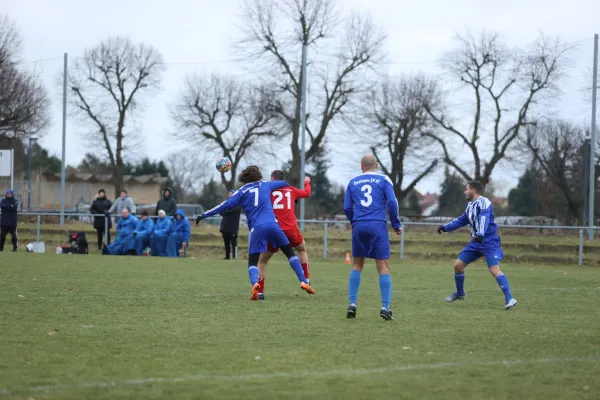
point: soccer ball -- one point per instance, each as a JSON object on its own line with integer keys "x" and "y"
{"x": 223, "y": 164}
{"x": 29, "y": 248}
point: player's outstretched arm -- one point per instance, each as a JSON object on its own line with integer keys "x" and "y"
{"x": 228, "y": 204}
{"x": 303, "y": 194}
{"x": 459, "y": 222}
{"x": 348, "y": 204}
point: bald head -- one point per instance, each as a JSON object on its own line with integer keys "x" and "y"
{"x": 368, "y": 163}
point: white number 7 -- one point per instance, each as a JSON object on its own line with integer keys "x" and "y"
{"x": 255, "y": 191}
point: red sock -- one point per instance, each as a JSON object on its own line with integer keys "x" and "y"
{"x": 261, "y": 283}
{"x": 305, "y": 269}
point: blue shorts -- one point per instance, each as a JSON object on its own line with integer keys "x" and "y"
{"x": 261, "y": 235}
{"x": 490, "y": 248}
{"x": 370, "y": 239}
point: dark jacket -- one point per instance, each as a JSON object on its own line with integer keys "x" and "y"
{"x": 101, "y": 206}
{"x": 167, "y": 203}
{"x": 231, "y": 221}
{"x": 9, "y": 211}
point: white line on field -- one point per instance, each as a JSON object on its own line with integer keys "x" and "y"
{"x": 517, "y": 290}
{"x": 298, "y": 374}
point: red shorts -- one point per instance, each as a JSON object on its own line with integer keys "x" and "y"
{"x": 294, "y": 236}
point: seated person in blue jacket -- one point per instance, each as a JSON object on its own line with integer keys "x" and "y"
{"x": 141, "y": 236}
{"x": 162, "y": 229}
{"x": 123, "y": 243}
{"x": 181, "y": 234}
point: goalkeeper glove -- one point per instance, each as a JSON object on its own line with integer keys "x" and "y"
{"x": 478, "y": 239}
{"x": 441, "y": 229}
{"x": 199, "y": 218}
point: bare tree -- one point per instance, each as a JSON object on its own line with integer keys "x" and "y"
{"x": 187, "y": 174}
{"x": 107, "y": 83}
{"x": 226, "y": 115}
{"x": 557, "y": 146}
{"x": 397, "y": 128}
{"x": 498, "y": 78}
{"x": 276, "y": 31}
{"x": 23, "y": 99}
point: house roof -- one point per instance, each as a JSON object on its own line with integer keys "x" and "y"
{"x": 93, "y": 178}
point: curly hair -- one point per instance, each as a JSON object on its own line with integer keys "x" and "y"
{"x": 250, "y": 174}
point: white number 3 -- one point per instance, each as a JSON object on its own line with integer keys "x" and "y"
{"x": 368, "y": 198}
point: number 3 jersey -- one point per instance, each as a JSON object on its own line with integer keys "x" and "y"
{"x": 255, "y": 199}
{"x": 283, "y": 205}
{"x": 368, "y": 197}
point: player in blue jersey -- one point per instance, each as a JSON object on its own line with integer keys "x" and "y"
{"x": 255, "y": 199}
{"x": 368, "y": 198}
{"x": 485, "y": 243}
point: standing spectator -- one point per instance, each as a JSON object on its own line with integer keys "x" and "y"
{"x": 167, "y": 203}
{"x": 123, "y": 203}
{"x": 230, "y": 226}
{"x": 8, "y": 219}
{"x": 100, "y": 207}
{"x": 162, "y": 230}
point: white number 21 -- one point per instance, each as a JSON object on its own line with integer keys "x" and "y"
{"x": 368, "y": 198}
{"x": 278, "y": 197}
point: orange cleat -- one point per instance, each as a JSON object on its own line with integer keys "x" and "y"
{"x": 255, "y": 290}
{"x": 306, "y": 287}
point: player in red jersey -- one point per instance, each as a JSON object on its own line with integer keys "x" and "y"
{"x": 283, "y": 201}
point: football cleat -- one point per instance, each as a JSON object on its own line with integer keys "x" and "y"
{"x": 455, "y": 296}
{"x": 261, "y": 296}
{"x": 386, "y": 314}
{"x": 254, "y": 293}
{"x": 511, "y": 303}
{"x": 351, "y": 312}
{"x": 306, "y": 287}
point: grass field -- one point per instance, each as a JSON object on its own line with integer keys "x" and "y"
{"x": 75, "y": 327}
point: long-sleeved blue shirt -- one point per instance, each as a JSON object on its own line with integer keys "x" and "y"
{"x": 369, "y": 197}
{"x": 480, "y": 215}
{"x": 255, "y": 199}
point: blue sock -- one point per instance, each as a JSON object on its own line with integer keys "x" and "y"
{"x": 253, "y": 274}
{"x": 460, "y": 282}
{"x": 297, "y": 267}
{"x": 385, "y": 285}
{"x": 505, "y": 286}
{"x": 353, "y": 285}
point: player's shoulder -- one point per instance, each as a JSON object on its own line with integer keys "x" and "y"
{"x": 370, "y": 177}
{"x": 483, "y": 202}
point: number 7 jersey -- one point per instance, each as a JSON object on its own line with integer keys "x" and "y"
{"x": 283, "y": 205}
{"x": 368, "y": 198}
{"x": 255, "y": 199}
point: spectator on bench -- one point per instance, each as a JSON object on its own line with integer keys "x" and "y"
{"x": 124, "y": 241}
{"x": 142, "y": 234}
{"x": 181, "y": 234}
{"x": 162, "y": 230}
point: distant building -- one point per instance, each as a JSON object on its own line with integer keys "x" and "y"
{"x": 45, "y": 189}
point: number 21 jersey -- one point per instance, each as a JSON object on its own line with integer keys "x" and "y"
{"x": 368, "y": 197}
{"x": 283, "y": 205}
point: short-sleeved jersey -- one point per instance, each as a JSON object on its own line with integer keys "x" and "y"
{"x": 368, "y": 197}
{"x": 255, "y": 199}
{"x": 283, "y": 201}
{"x": 480, "y": 215}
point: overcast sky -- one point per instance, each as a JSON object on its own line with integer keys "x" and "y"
{"x": 197, "y": 36}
